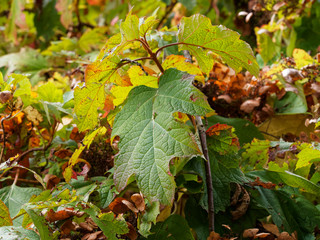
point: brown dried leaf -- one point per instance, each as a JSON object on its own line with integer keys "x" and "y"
{"x": 285, "y": 236}
{"x": 51, "y": 180}
{"x": 117, "y": 206}
{"x": 214, "y": 236}
{"x": 138, "y": 200}
{"x": 130, "y": 206}
{"x": 33, "y": 115}
{"x": 53, "y": 216}
{"x": 250, "y": 104}
{"x": 67, "y": 227}
{"x": 86, "y": 226}
{"x": 5, "y": 96}
{"x": 242, "y": 208}
{"x": 271, "y": 228}
{"x": 262, "y": 235}
{"x": 251, "y": 232}
{"x": 132, "y": 234}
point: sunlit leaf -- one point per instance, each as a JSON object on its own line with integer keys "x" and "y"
{"x": 5, "y": 219}
{"x": 199, "y": 36}
{"x": 150, "y": 137}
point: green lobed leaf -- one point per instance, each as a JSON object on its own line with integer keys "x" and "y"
{"x": 174, "y": 227}
{"x": 21, "y": 82}
{"x": 150, "y": 136}
{"x": 110, "y": 225}
{"x": 291, "y": 103}
{"x": 199, "y": 36}
{"x": 130, "y": 28}
{"x": 14, "y": 233}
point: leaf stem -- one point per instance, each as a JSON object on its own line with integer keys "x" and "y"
{"x": 152, "y": 54}
{"x": 203, "y": 140}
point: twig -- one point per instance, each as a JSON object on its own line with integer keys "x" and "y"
{"x": 4, "y": 134}
{"x": 203, "y": 140}
{"x": 23, "y": 180}
{"x": 152, "y": 54}
{"x": 168, "y": 10}
{"x": 134, "y": 62}
{"x": 16, "y": 177}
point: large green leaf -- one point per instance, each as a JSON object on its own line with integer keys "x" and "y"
{"x": 150, "y": 136}
{"x": 290, "y": 211}
{"x": 199, "y": 36}
{"x": 14, "y": 233}
{"x": 14, "y": 197}
{"x": 174, "y": 227}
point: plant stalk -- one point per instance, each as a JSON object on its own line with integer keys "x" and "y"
{"x": 203, "y": 140}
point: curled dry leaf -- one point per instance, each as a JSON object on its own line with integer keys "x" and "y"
{"x": 117, "y": 206}
{"x": 33, "y": 115}
{"x": 262, "y": 235}
{"x": 53, "y": 216}
{"x": 286, "y": 236}
{"x": 214, "y": 236}
{"x": 51, "y": 180}
{"x": 225, "y": 97}
{"x": 244, "y": 204}
{"x": 291, "y": 75}
{"x": 86, "y": 226}
{"x": 132, "y": 234}
{"x": 249, "y": 105}
{"x": 130, "y": 206}
{"x": 271, "y": 228}
{"x": 5, "y": 96}
{"x": 248, "y": 17}
{"x": 67, "y": 227}
{"x": 251, "y": 232}
{"x": 138, "y": 201}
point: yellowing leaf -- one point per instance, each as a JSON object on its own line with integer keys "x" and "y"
{"x": 130, "y": 28}
{"x": 138, "y": 77}
{"x": 179, "y": 62}
{"x": 147, "y": 25}
{"x": 120, "y": 94}
{"x": 302, "y": 58}
{"x": 306, "y": 156}
{"x": 5, "y": 219}
{"x": 75, "y": 156}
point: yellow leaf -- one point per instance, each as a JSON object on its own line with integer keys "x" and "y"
{"x": 179, "y": 62}
{"x": 120, "y": 94}
{"x": 5, "y": 219}
{"x": 302, "y": 58}
{"x": 138, "y": 77}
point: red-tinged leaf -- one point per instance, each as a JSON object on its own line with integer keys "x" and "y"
{"x": 217, "y": 128}
{"x": 53, "y": 216}
{"x": 67, "y": 227}
{"x": 268, "y": 185}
